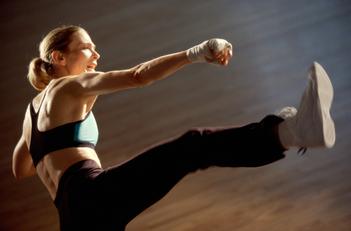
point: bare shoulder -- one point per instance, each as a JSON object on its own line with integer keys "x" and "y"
{"x": 74, "y": 83}
{"x": 64, "y": 100}
{"x": 99, "y": 83}
{"x": 72, "y": 88}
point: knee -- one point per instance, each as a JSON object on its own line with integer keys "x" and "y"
{"x": 196, "y": 133}
{"x": 200, "y": 131}
{"x": 197, "y": 138}
{"x": 193, "y": 132}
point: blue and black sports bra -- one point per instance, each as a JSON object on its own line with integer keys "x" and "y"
{"x": 82, "y": 133}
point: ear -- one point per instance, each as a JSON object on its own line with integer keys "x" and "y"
{"x": 57, "y": 57}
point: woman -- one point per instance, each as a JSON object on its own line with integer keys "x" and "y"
{"x": 60, "y": 132}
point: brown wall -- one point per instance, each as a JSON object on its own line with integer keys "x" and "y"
{"x": 274, "y": 41}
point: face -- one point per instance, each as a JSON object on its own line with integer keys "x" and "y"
{"x": 81, "y": 55}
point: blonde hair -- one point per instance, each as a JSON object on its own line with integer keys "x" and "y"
{"x": 40, "y": 68}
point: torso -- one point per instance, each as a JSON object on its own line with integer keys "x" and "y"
{"x": 53, "y": 165}
{"x": 62, "y": 109}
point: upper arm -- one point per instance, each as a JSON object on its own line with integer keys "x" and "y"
{"x": 99, "y": 83}
{"x": 22, "y": 164}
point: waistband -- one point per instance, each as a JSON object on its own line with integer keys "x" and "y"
{"x": 72, "y": 170}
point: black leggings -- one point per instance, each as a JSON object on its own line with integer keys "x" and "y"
{"x": 91, "y": 198}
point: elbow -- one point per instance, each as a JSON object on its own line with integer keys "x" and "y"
{"x": 21, "y": 175}
{"x": 20, "y": 172}
{"x": 138, "y": 76}
{"x": 15, "y": 172}
{"x": 17, "y": 175}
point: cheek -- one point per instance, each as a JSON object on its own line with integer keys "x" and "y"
{"x": 77, "y": 65}
{"x": 86, "y": 53}
{"x": 78, "y": 61}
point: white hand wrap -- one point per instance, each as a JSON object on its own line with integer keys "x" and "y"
{"x": 206, "y": 50}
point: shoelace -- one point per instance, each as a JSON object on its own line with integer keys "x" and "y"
{"x": 302, "y": 151}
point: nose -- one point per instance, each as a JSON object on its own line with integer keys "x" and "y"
{"x": 96, "y": 55}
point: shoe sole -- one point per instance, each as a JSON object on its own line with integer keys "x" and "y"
{"x": 325, "y": 96}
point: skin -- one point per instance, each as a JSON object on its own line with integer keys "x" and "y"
{"x": 76, "y": 81}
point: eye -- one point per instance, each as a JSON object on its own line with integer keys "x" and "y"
{"x": 92, "y": 49}
{"x": 89, "y": 47}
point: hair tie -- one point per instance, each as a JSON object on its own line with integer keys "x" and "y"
{"x": 47, "y": 65}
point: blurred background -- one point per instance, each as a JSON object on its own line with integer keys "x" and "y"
{"x": 275, "y": 42}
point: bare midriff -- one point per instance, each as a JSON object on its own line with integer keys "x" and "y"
{"x": 53, "y": 165}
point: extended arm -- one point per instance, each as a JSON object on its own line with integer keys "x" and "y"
{"x": 156, "y": 69}
{"x": 138, "y": 76}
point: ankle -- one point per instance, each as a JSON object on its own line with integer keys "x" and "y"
{"x": 286, "y": 138}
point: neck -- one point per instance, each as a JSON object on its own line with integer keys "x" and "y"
{"x": 59, "y": 72}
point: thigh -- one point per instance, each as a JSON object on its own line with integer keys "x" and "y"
{"x": 128, "y": 189}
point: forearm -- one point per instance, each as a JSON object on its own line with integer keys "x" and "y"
{"x": 215, "y": 50}
{"x": 160, "y": 68}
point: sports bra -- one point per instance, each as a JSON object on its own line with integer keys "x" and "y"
{"x": 82, "y": 133}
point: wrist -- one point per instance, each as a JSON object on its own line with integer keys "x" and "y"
{"x": 198, "y": 53}
{"x": 186, "y": 58}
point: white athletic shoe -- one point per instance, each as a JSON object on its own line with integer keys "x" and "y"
{"x": 311, "y": 125}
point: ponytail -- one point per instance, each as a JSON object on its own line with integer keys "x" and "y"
{"x": 41, "y": 69}
{"x": 38, "y": 75}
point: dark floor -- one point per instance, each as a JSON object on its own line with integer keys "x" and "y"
{"x": 275, "y": 42}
